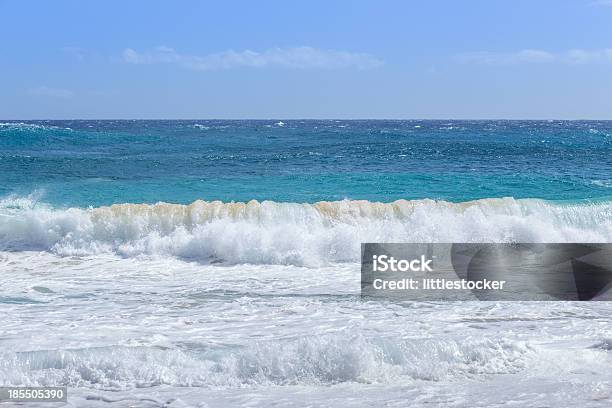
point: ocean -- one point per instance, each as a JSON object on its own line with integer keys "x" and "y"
{"x": 213, "y": 263}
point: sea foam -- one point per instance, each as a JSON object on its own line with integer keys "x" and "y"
{"x": 309, "y": 360}
{"x": 289, "y": 233}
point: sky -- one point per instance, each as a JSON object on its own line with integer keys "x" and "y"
{"x": 410, "y": 59}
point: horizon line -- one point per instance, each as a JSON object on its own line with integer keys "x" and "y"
{"x": 310, "y": 119}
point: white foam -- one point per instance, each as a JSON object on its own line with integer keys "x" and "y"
{"x": 27, "y": 126}
{"x": 290, "y": 233}
{"x": 603, "y": 183}
{"x": 328, "y": 359}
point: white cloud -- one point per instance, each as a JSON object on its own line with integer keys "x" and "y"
{"x": 296, "y": 58}
{"x": 574, "y": 56}
{"x": 51, "y": 92}
{"x": 492, "y": 58}
{"x": 578, "y": 56}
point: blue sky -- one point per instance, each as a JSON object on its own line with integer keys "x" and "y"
{"x": 306, "y": 59}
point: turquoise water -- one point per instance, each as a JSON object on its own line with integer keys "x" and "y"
{"x": 94, "y": 163}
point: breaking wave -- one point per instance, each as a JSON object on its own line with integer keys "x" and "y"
{"x": 289, "y": 233}
{"x": 314, "y": 360}
{"x": 22, "y": 126}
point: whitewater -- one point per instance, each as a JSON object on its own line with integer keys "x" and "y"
{"x": 289, "y": 233}
{"x": 216, "y": 304}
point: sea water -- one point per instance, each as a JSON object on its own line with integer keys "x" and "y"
{"x": 216, "y": 263}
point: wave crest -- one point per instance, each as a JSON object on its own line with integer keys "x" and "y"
{"x": 290, "y": 233}
{"x": 318, "y": 360}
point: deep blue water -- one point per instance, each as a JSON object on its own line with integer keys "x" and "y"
{"x": 92, "y": 163}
